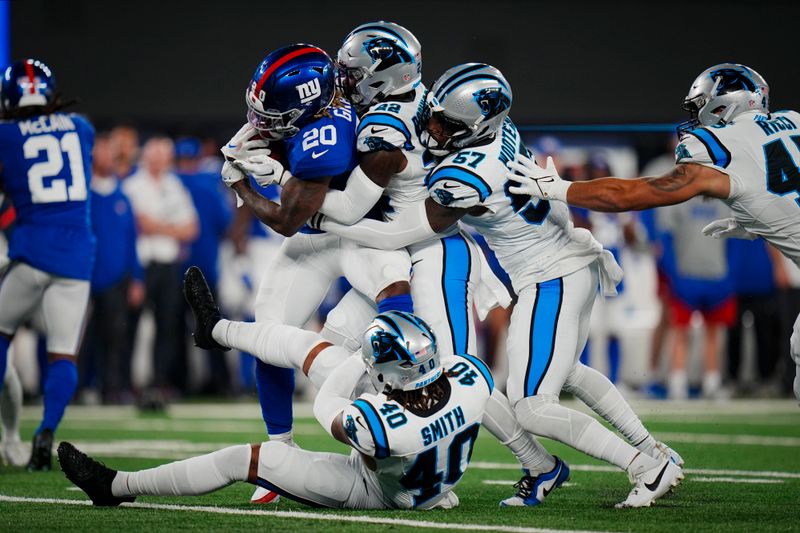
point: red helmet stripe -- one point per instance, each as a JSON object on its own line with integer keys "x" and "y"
{"x": 29, "y": 70}
{"x": 281, "y": 61}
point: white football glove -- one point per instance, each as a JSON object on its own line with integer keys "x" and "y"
{"x": 265, "y": 170}
{"x": 242, "y": 145}
{"x": 535, "y": 181}
{"x": 230, "y": 175}
{"x": 727, "y": 227}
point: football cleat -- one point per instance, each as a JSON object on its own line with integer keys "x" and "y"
{"x": 663, "y": 451}
{"x": 532, "y": 490}
{"x": 14, "y": 452}
{"x": 204, "y": 308}
{"x": 92, "y": 477}
{"x": 42, "y": 452}
{"x": 652, "y": 484}
{"x": 262, "y": 496}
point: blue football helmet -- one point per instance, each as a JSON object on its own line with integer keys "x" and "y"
{"x": 26, "y": 84}
{"x": 289, "y": 87}
{"x": 400, "y": 352}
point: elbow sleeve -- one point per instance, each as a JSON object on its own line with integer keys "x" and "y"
{"x": 350, "y": 205}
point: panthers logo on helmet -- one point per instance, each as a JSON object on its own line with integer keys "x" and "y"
{"x": 732, "y": 80}
{"x": 388, "y": 51}
{"x": 492, "y": 101}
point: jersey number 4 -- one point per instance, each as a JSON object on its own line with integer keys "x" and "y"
{"x": 56, "y": 190}
{"x": 783, "y": 176}
{"x": 424, "y": 475}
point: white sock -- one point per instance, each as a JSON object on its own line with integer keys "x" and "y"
{"x": 712, "y": 381}
{"x": 273, "y": 343}
{"x": 641, "y": 463}
{"x": 197, "y": 475}
{"x": 499, "y": 419}
{"x": 11, "y": 404}
{"x": 543, "y": 415}
{"x": 597, "y": 391}
{"x": 678, "y": 386}
{"x": 286, "y": 438}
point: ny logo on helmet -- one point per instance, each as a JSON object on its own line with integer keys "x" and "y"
{"x": 31, "y": 85}
{"x": 309, "y": 91}
{"x": 492, "y": 101}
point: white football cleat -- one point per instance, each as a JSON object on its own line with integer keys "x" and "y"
{"x": 14, "y": 452}
{"x": 663, "y": 451}
{"x": 652, "y": 484}
{"x": 262, "y": 496}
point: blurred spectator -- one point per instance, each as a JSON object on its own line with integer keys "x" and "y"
{"x": 210, "y": 157}
{"x": 117, "y": 280}
{"x": 125, "y": 145}
{"x": 700, "y": 281}
{"x": 214, "y": 215}
{"x": 167, "y": 221}
{"x": 754, "y": 283}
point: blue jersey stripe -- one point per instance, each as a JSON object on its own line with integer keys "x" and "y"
{"x": 461, "y": 175}
{"x": 384, "y": 119}
{"x": 375, "y": 425}
{"x": 484, "y": 370}
{"x": 544, "y": 326}
{"x": 457, "y": 264}
{"x": 720, "y": 155}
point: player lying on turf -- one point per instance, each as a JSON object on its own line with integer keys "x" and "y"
{"x": 411, "y": 441}
{"x": 732, "y": 148}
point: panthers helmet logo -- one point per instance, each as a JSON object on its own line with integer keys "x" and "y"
{"x": 733, "y": 80}
{"x": 388, "y": 51}
{"x": 492, "y": 101}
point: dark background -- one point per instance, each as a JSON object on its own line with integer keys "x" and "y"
{"x": 178, "y": 63}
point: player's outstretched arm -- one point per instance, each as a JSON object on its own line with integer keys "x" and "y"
{"x": 364, "y": 186}
{"x": 299, "y": 200}
{"x": 334, "y": 396}
{"x": 416, "y": 223}
{"x": 683, "y": 182}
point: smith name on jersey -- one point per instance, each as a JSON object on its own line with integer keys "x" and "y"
{"x": 395, "y": 125}
{"x": 534, "y": 240}
{"x": 420, "y": 457}
{"x": 46, "y": 170}
{"x": 760, "y": 153}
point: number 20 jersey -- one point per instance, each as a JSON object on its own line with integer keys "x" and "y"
{"x": 420, "y": 458}
{"x": 534, "y": 240}
{"x": 761, "y": 154}
{"x": 46, "y": 170}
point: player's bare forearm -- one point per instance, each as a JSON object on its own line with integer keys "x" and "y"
{"x": 441, "y": 218}
{"x": 299, "y": 200}
{"x": 678, "y": 185}
{"x": 382, "y": 165}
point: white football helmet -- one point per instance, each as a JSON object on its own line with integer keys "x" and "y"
{"x": 400, "y": 352}
{"x": 376, "y": 60}
{"x": 722, "y": 92}
{"x": 471, "y": 101}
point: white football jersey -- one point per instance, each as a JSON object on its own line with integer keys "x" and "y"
{"x": 535, "y": 240}
{"x": 761, "y": 154}
{"x": 420, "y": 457}
{"x": 396, "y": 125}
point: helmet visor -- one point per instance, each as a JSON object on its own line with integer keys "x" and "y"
{"x": 272, "y": 124}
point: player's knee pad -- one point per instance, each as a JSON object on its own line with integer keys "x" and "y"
{"x": 531, "y": 410}
{"x": 323, "y": 482}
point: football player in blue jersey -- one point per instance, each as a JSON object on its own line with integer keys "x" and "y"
{"x": 296, "y": 115}
{"x": 46, "y": 168}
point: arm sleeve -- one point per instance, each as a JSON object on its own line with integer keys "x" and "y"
{"x": 350, "y": 205}
{"x": 334, "y": 395}
{"x": 408, "y": 227}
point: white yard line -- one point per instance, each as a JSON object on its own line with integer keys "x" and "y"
{"x": 717, "y": 438}
{"x": 486, "y": 465}
{"x": 734, "y": 480}
{"x": 305, "y": 515}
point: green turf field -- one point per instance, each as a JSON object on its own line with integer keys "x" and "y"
{"x": 742, "y": 461}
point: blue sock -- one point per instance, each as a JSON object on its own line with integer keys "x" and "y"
{"x": 247, "y": 366}
{"x": 5, "y": 342}
{"x": 62, "y": 380}
{"x": 401, "y": 302}
{"x": 275, "y": 387}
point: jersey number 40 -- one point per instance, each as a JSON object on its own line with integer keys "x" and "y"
{"x": 57, "y": 190}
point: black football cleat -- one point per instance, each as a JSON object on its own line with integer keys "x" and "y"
{"x": 204, "y": 308}
{"x": 92, "y": 477}
{"x": 41, "y": 452}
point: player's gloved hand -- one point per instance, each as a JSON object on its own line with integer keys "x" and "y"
{"x": 265, "y": 170}
{"x": 232, "y": 174}
{"x": 245, "y": 143}
{"x": 535, "y": 181}
{"x": 727, "y": 227}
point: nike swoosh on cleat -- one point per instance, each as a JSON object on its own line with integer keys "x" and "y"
{"x": 654, "y": 485}
{"x": 315, "y": 155}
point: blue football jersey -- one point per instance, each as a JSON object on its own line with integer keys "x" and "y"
{"x": 325, "y": 147}
{"x": 46, "y": 170}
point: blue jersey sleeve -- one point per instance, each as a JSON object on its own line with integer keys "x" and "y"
{"x": 325, "y": 147}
